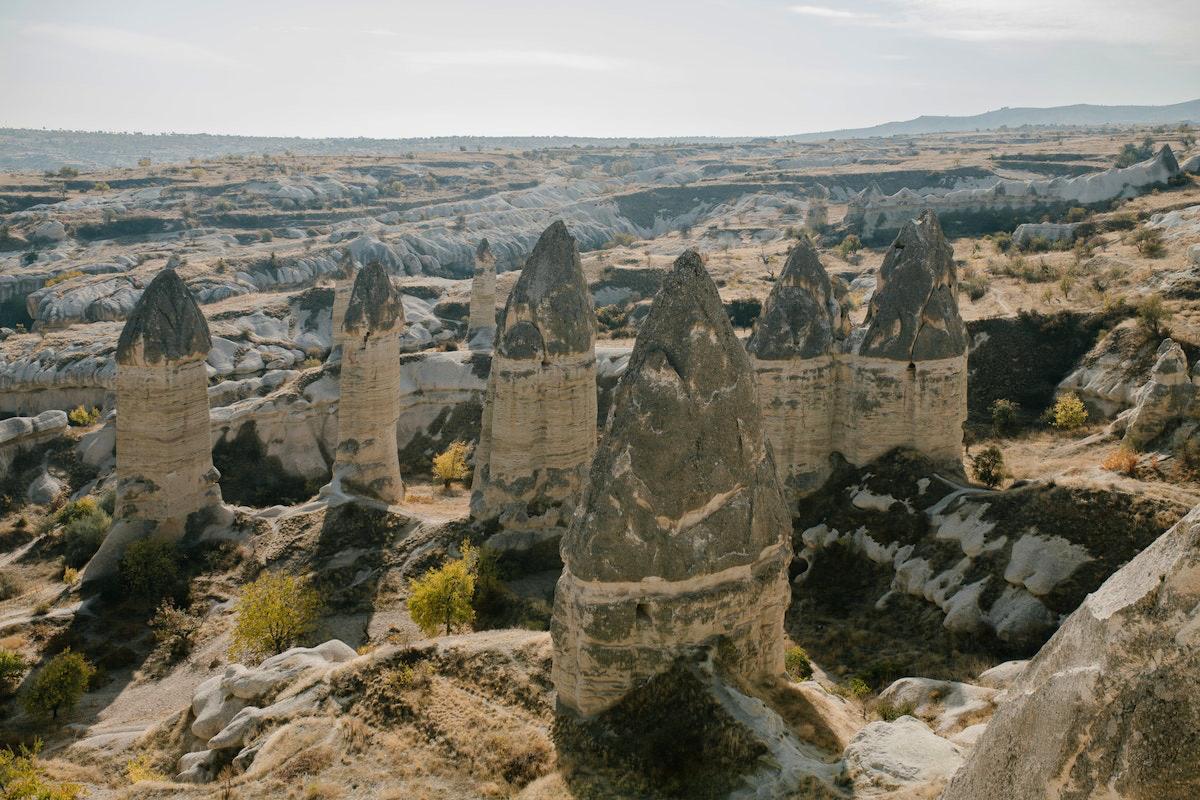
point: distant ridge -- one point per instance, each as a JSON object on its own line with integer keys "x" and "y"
{"x": 1079, "y": 114}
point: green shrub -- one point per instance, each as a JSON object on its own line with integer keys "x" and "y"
{"x": 173, "y": 631}
{"x": 1149, "y": 242}
{"x": 1153, "y": 317}
{"x": 21, "y": 778}
{"x": 1002, "y": 242}
{"x": 58, "y": 685}
{"x": 12, "y": 667}
{"x": 81, "y": 417}
{"x": 84, "y": 534}
{"x": 797, "y": 664}
{"x": 890, "y": 713}
{"x": 1069, "y": 412}
{"x": 274, "y": 612}
{"x": 988, "y": 466}
{"x": 150, "y": 569}
{"x": 1004, "y": 417}
{"x": 855, "y": 688}
{"x": 849, "y": 246}
{"x": 442, "y": 598}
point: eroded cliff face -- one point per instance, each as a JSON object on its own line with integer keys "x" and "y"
{"x": 539, "y": 420}
{"x": 367, "y": 461}
{"x": 682, "y": 539}
{"x": 1110, "y": 706}
{"x": 899, "y": 381}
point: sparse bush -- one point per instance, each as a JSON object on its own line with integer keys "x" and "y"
{"x": 1153, "y": 317}
{"x": 21, "y": 778}
{"x": 1131, "y": 153}
{"x": 68, "y": 172}
{"x": 1004, "y": 416}
{"x": 1002, "y": 242}
{"x": 273, "y": 614}
{"x": 975, "y": 285}
{"x": 855, "y": 689}
{"x": 142, "y": 769}
{"x": 12, "y": 668}
{"x": 451, "y": 464}
{"x": 1076, "y": 214}
{"x": 84, "y": 531}
{"x": 81, "y": 417}
{"x": 1149, "y": 242}
{"x": 173, "y": 631}
{"x": 1123, "y": 461}
{"x": 70, "y": 576}
{"x": 150, "y": 569}
{"x": 10, "y": 585}
{"x": 890, "y": 713}
{"x": 619, "y": 240}
{"x": 58, "y": 685}
{"x": 849, "y": 246}
{"x": 797, "y": 663}
{"x": 442, "y": 598}
{"x": 1069, "y": 412}
{"x": 988, "y": 466}
{"x": 63, "y": 277}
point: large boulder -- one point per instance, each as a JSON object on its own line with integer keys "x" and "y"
{"x": 1164, "y": 401}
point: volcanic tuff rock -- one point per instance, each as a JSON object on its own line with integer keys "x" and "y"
{"x": 683, "y": 537}
{"x": 1165, "y": 400}
{"x": 164, "y": 458}
{"x": 1110, "y": 706}
{"x": 801, "y": 318}
{"x": 913, "y": 315}
{"x": 539, "y": 420}
{"x": 342, "y": 286}
{"x": 481, "y": 328}
{"x": 367, "y": 461}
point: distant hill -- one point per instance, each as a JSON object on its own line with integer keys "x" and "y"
{"x": 1079, "y": 114}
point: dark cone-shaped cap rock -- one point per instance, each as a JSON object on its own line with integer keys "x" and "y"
{"x": 797, "y": 320}
{"x": 166, "y": 323}
{"x": 483, "y": 253}
{"x": 374, "y": 305}
{"x": 549, "y": 311}
{"x": 682, "y": 483}
{"x": 913, "y": 315}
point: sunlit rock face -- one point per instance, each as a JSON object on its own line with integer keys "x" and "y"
{"x": 367, "y": 463}
{"x": 481, "y": 326}
{"x": 539, "y": 420}
{"x": 683, "y": 537}
{"x": 1110, "y": 706}
{"x": 900, "y": 380}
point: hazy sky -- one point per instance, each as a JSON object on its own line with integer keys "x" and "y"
{"x": 612, "y": 67}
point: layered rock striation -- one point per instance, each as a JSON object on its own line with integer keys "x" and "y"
{"x": 481, "y": 326}
{"x": 900, "y": 380}
{"x": 367, "y": 462}
{"x": 539, "y": 420}
{"x": 682, "y": 541}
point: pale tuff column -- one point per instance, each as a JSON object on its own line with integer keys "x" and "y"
{"x": 906, "y": 383}
{"x": 683, "y": 537}
{"x": 481, "y": 327}
{"x": 792, "y": 350}
{"x": 367, "y": 463}
{"x": 165, "y": 472}
{"x": 539, "y": 419}
{"x": 342, "y": 286}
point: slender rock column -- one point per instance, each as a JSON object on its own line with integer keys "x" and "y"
{"x": 683, "y": 538}
{"x": 165, "y": 472}
{"x": 342, "y": 286}
{"x": 481, "y": 328}
{"x": 539, "y": 419}
{"x": 367, "y": 462}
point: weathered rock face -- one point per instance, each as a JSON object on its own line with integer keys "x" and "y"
{"x": 1165, "y": 400}
{"x": 481, "y": 327}
{"x": 1052, "y": 232}
{"x": 899, "y": 382}
{"x": 683, "y": 536}
{"x": 23, "y": 433}
{"x": 342, "y": 286}
{"x": 1110, "y": 706}
{"x": 539, "y": 419}
{"x": 367, "y": 462}
{"x": 164, "y": 463}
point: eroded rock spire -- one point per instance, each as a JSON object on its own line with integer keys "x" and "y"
{"x": 481, "y": 328}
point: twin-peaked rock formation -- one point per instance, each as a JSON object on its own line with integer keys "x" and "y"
{"x": 367, "y": 463}
{"x": 165, "y": 472}
{"x": 539, "y": 420}
{"x": 898, "y": 381}
{"x": 683, "y": 539}
{"x": 481, "y": 325}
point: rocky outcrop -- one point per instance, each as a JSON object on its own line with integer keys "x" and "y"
{"x": 539, "y": 418}
{"x": 1110, "y": 706}
{"x": 343, "y": 284}
{"x": 18, "y": 434}
{"x": 165, "y": 472}
{"x": 1164, "y": 401}
{"x": 481, "y": 327}
{"x": 681, "y": 543}
{"x": 902, "y": 756}
{"x": 367, "y": 463}
{"x": 1052, "y": 232}
{"x": 899, "y": 381}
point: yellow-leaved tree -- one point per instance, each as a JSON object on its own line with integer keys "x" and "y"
{"x": 451, "y": 464}
{"x": 442, "y": 598}
{"x": 274, "y": 612}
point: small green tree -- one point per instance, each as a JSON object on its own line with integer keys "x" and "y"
{"x": 58, "y": 685}
{"x": 1069, "y": 412}
{"x": 275, "y": 611}
{"x": 150, "y": 569}
{"x": 442, "y": 598}
{"x": 12, "y": 667}
{"x": 1153, "y": 317}
{"x": 849, "y": 246}
{"x": 1004, "y": 416}
{"x": 797, "y": 663}
{"x": 988, "y": 466}
{"x": 451, "y": 464}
